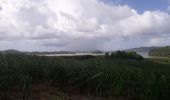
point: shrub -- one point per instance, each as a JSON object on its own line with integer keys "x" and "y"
{"x": 126, "y": 55}
{"x": 87, "y": 57}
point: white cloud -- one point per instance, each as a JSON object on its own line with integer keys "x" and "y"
{"x": 76, "y": 24}
{"x": 159, "y": 41}
{"x": 168, "y": 9}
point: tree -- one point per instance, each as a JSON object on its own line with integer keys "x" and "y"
{"x": 126, "y": 55}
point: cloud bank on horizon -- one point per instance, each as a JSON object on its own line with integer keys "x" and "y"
{"x": 80, "y": 25}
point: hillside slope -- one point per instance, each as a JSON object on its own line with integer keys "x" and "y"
{"x": 160, "y": 52}
{"x": 142, "y": 49}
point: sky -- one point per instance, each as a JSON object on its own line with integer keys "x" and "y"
{"x": 55, "y": 25}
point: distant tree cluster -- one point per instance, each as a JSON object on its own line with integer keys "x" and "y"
{"x": 124, "y": 55}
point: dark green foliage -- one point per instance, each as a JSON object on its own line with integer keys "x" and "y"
{"x": 131, "y": 79}
{"x": 87, "y": 57}
{"x": 160, "y": 52}
{"x": 107, "y": 55}
{"x": 125, "y": 55}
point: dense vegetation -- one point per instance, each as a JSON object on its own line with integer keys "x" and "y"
{"x": 124, "y": 55}
{"x": 99, "y": 76}
{"x": 160, "y": 52}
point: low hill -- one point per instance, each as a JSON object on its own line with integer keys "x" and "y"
{"x": 11, "y": 52}
{"x": 97, "y": 52}
{"x": 142, "y": 49}
{"x": 160, "y": 52}
{"x": 43, "y": 53}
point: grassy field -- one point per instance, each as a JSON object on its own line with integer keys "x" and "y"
{"x": 25, "y": 77}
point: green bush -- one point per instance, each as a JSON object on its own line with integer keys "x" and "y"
{"x": 126, "y": 55}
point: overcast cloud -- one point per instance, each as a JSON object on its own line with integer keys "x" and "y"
{"x": 79, "y": 25}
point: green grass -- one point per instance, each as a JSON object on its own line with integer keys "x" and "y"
{"x": 147, "y": 79}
